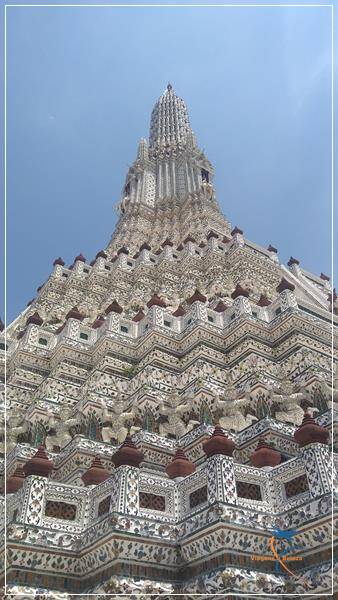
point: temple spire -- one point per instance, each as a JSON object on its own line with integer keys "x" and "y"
{"x": 169, "y": 124}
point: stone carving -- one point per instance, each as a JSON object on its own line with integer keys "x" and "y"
{"x": 234, "y": 416}
{"x": 174, "y": 411}
{"x": 117, "y": 422}
{"x": 290, "y": 400}
{"x": 16, "y": 426}
{"x": 64, "y": 425}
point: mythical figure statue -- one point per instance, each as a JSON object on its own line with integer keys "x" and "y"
{"x": 117, "y": 422}
{"x": 62, "y": 424}
{"x": 175, "y": 424}
{"x": 233, "y": 411}
{"x": 290, "y": 398}
{"x": 16, "y": 425}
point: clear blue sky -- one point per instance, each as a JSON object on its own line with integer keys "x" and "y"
{"x": 81, "y": 83}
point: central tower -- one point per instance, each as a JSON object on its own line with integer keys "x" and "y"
{"x": 156, "y": 434}
{"x": 171, "y": 180}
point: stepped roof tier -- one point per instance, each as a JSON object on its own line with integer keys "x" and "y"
{"x": 139, "y": 383}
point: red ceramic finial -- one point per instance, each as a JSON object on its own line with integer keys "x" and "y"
{"x": 212, "y": 234}
{"x": 98, "y": 322}
{"x": 179, "y": 312}
{"x": 114, "y": 307}
{"x": 218, "y": 443}
{"x": 139, "y": 316}
{"x": 59, "y": 261}
{"x": 309, "y": 432}
{"x": 167, "y": 242}
{"x": 155, "y": 300}
{"x": 34, "y": 319}
{"x": 284, "y": 285}
{"x": 293, "y": 261}
{"x": 272, "y": 249}
{"x": 190, "y": 238}
{"x": 123, "y": 250}
{"x": 80, "y": 258}
{"x": 236, "y": 230}
{"x": 96, "y": 473}
{"x": 180, "y": 465}
{"x": 265, "y": 455}
{"x": 196, "y": 297}
{"x": 239, "y": 291}
{"x": 15, "y": 481}
{"x": 220, "y": 307}
{"x": 74, "y": 313}
{"x": 145, "y": 246}
{"x": 263, "y": 301}
{"x": 39, "y": 464}
{"x": 127, "y": 454}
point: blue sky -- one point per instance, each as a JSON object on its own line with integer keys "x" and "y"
{"x": 81, "y": 83}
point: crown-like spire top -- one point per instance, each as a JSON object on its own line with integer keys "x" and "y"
{"x": 169, "y": 125}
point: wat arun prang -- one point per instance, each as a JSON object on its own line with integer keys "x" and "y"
{"x": 169, "y": 403}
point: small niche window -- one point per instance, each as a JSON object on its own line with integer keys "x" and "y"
{"x": 152, "y": 260}
{"x": 198, "y": 497}
{"x": 278, "y": 311}
{"x": 262, "y": 408}
{"x": 124, "y": 329}
{"x": 167, "y": 323}
{"x": 107, "y": 268}
{"x": 42, "y": 342}
{"x": 205, "y": 414}
{"x": 251, "y": 491}
{"x": 320, "y": 400}
{"x": 254, "y": 314}
{"x": 188, "y": 321}
{"x": 296, "y": 486}
{"x": 148, "y": 423}
{"x": 232, "y": 317}
{"x": 39, "y": 435}
{"x": 103, "y": 507}
{"x": 205, "y": 175}
{"x": 211, "y": 319}
{"x": 93, "y": 428}
{"x": 64, "y": 274}
{"x": 152, "y": 501}
{"x": 60, "y": 510}
{"x": 129, "y": 263}
{"x": 3, "y": 346}
{"x": 83, "y": 336}
{"x": 85, "y": 270}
